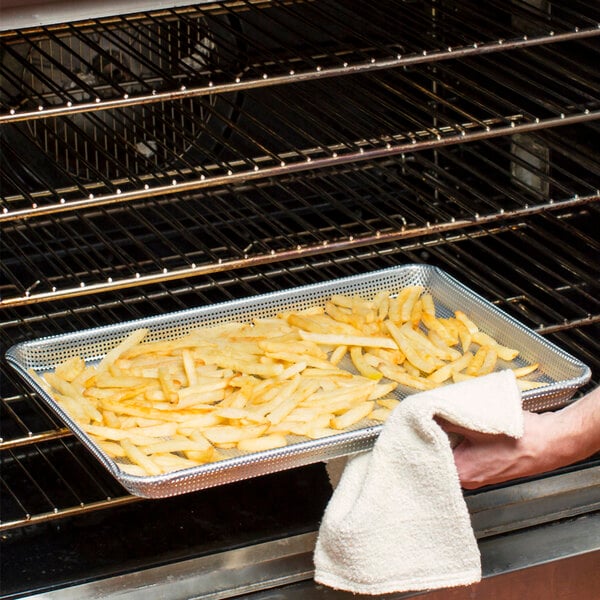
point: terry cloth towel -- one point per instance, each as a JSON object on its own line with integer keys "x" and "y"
{"x": 397, "y": 521}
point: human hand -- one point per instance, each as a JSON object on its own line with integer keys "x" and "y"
{"x": 485, "y": 459}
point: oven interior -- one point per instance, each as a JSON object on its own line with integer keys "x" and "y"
{"x": 179, "y": 157}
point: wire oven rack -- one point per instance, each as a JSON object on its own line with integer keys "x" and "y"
{"x": 115, "y": 101}
{"x": 483, "y": 182}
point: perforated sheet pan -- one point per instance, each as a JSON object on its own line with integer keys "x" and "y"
{"x": 561, "y": 372}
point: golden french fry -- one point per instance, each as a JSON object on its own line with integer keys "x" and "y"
{"x": 183, "y": 444}
{"x": 504, "y": 352}
{"x": 396, "y": 373}
{"x": 137, "y": 457}
{"x": 106, "y": 380}
{"x": 416, "y": 314}
{"x": 229, "y": 434}
{"x": 389, "y": 403}
{"x": 342, "y": 300}
{"x": 133, "y": 339}
{"x": 462, "y": 317}
{"x": 343, "y": 315}
{"x": 382, "y": 389}
{"x": 189, "y": 367}
{"x": 420, "y": 340}
{"x": 382, "y": 304}
{"x": 204, "y": 451}
{"x": 266, "y": 442}
{"x": 354, "y": 415}
{"x": 408, "y": 298}
{"x": 305, "y": 323}
{"x": 113, "y": 449}
{"x": 489, "y": 362}
{"x": 338, "y": 354}
{"x": 131, "y": 469}
{"x": 380, "y": 414}
{"x": 298, "y": 347}
{"x": 362, "y": 365}
{"x": 464, "y": 335}
{"x": 524, "y": 384}
{"x": 395, "y": 357}
{"x": 421, "y": 362}
{"x": 445, "y": 372}
{"x": 70, "y": 369}
{"x": 333, "y": 339}
{"x": 526, "y": 370}
{"x": 172, "y": 462}
{"x": 437, "y": 329}
{"x": 477, "y": 361}
{"x": 316, "y": 433}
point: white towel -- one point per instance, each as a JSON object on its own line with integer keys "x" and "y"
{"x": 397, "y": 521}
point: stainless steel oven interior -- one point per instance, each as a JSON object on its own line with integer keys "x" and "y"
{"x": 180, "y": 156}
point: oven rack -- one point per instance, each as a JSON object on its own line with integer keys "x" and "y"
{"x": 99, "y": 162}
{"x": 360, "y": 45}
{"x": 547, "y": 284}
{"x": 496, "y": 183}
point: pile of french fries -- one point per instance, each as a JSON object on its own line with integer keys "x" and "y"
{"x": 159, "y": 406}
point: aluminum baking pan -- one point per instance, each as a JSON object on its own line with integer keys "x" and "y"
{"x": 561, "y": 372}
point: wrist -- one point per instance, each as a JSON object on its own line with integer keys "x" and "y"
{"x": 578, "y": 428}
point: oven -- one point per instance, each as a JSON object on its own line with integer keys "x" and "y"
{"x": 159, "y": 156}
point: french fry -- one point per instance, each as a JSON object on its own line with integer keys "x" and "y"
{"x": 489, "y": 362}
{"x": 354, "y": 415}
{"x": 362, "y": 365}
{"x": 382, "y": 304}
{"x": 389, "y": 403}
{"x": 133, "y": 339}
{"x": 70, "y": 369}
{"x": 413, "y": 355}
{"x": 446, "y": 371}
{"x": 137, "y": 457}
{"x": 260, "y": 444}
{"x": 338, "y": 354}
{"x": 462, "y": 317}
{"x": 524, "y": 385}
{"x": 334, "y": 339}
{"x": 503, "y": 352}
{"x": 230, "y": 434}
{"x": 526, "y": 370}
{"x": 380, "y": 414}
{"x": 399, "y": 375}
{"x": 477, "y": 361}
{"x": 408, "y": 298}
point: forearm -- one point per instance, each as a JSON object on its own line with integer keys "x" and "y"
{"x": 582, "y": 421}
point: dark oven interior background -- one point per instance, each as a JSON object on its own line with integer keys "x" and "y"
{"x": 169, "y": 159}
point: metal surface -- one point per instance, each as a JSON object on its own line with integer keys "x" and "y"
{"x": 561, "y": 373}
{"x": 272, "y": 566}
